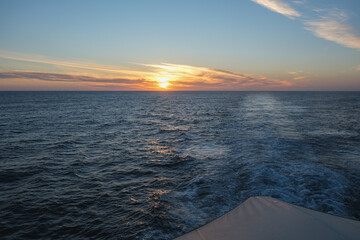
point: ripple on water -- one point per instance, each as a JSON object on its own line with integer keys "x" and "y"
{"x": 155, "y": 165}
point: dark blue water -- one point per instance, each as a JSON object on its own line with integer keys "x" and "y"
{"x": 154, "y": 165}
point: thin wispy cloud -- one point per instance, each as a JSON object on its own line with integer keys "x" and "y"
{"x": 174, "y": 76}
{"x": 56, "y": 77}
{"x": 279, "y": 7}
{"x": 297, "y": 75}
{"x": 332, "y": 26}
{"x": 87, "y": 82}
{"x": 334, "y": 31}
{"x": 299, "y": 2}
{"x": 67, "y": 64}
{"x": 188, "y": 77}
{"x": 329, "y": 24}
{"x": 299, "y": 78}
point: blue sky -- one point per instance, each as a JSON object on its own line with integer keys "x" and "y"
{"x": 294, "y": 45}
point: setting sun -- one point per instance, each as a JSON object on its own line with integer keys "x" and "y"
{"x": 163, "y": 82}
{"x": 164, "y": 85}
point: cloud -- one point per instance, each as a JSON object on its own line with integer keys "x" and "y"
{"x": 298, "y": 75}
{"x": 329, "y": 24}
{"x": 296, "y": 72}
{"x": 189, "y": 77}
{"x": 89, "y": 82}
{"x": 178, "y": 77}
{"x": 67, "y": 64}
{"x": 279, "y": 7}
{"x": 56, "y": 77}
{"x": 299, "y": 78}
{"x": 150, "y": 77}
{"x": 334, "y": 31}
{"x": 299, "y": 2}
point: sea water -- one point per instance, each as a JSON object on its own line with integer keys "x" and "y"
{"x": 155, "y": 165}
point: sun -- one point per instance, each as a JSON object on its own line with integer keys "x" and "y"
{"x": 163, "y": 82}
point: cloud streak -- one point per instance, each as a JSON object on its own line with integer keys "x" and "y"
{"x": 189, "y": 77}
{"x": 335, "y": 31}
{"x": 279, "y": 7}
{"x": 67, "y": 64}
{"x": 330, "y": 24}
{"x": 56, "y": 77}
{"x": 178, "y": 77}
{"x": 149, "y": 77}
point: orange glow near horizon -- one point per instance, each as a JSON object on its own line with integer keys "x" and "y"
{"x": 143, "y": 77}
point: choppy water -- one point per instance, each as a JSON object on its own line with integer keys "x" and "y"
{"x": 154, "y": 165}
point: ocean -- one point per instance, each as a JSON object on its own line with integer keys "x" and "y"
{"x": 155, "y": 165}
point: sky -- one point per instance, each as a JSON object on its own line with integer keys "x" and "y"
{"x": 179, "y": 45}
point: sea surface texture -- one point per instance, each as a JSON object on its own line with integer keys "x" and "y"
{"x": 155, "y": 165}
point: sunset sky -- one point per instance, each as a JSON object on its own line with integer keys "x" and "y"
{"x": 180, "y": 45}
